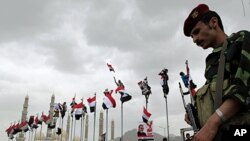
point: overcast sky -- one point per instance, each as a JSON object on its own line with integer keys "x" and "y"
{"x": 62, "y": 46}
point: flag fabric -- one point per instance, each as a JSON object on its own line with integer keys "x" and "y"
{"x": 145, "y": 88}
{"x": 17, "y": 128}
{"x": 124, "y": 96}
{"x": 32, "y": 124}
{"x": 78, "y": 108}
{"x": 108, "y": 100}
{"x": 59, "y": 131}
{"x": 119, "y": 88}
{"x": 92, "y": 103}
{"x": 146, "y": 115}
{"x": 110, "y": 67}
{"x": 38, "y": 121}
{"x": 46, "y": 119}
{"x": 63, "y": 109}
{"x": 24, "y": 126}
{"x": 10, "y": 131}
{"x": 31, "y": 121}
{"x": 73, "y": 102}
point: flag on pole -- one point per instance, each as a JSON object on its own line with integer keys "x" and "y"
{"x": 78, "y": 110}
{"x": 124, "y": 96}
{"x": 63, "y": 109}
{"x": 146, "y": 115}
{"x": 92, "y": 103}
{"x": 37, "y": 120}
{"x": 73, "y": 102}
{"x": 145, "y": 88}
{"x": 110, "y": 67}
{"x": 108, "y": 100}
{"x": 24, "y": 126}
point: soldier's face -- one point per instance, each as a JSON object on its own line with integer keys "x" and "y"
{"x": 203, "y": 35}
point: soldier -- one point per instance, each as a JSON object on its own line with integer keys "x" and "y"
{"x": 206, "y": 30}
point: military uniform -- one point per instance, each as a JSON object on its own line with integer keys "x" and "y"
{"x": 236, "y": 83}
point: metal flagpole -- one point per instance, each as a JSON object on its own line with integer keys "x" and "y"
{"x": 71, "y": 134}
{"x": 82, "y": 126}
{"x": 164, "y": 77}
{"x": 74, "y": 130}
{"x": 35, "y": 135}
{"x": 41, "y": 131}
{"x": 106, "y": 139}
{"x": 121, "y": 121}
{"x": 62, "y": 129}
{"x": 167, "y": 115}
{"x": 81, "y": 129}
{"x": 243, "y": 7}
{"x": 94, "y": 120}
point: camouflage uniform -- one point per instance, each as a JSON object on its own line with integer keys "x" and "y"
{"x": 236, "y": 78}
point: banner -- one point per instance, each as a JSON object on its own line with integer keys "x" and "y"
{"x": 145, "y": 131}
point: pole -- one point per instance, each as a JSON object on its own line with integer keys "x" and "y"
{"x": 74, "y": 130}
{"x": 121, "y": 121}
{"x": 71, "y": 134}
{"x": 146, "y": 96}
{"x": 82, "y": 130}
{"x": 243, "y": 7}
{"x": 94, "y": 121}
{"x": 62, "y": 129}
{"x": 167, "y": 115}
{"x": 106, "y": 125}
{"x": 35, "y": 135}
{"x": 41, "y": 131}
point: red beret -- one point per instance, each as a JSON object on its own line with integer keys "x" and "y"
{"x": 194, "y": 17}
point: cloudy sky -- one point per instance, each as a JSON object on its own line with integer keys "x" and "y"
{"x": 61, "y": 47}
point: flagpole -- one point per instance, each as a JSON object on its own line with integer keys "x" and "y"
{"x": 94, "y": 119}
{"x": 35, "y": 135}
{"x": 74, "y": 130}
{"x": 71, "y": 134}
{"x": 83, "y": 126}
{"x": 81, "y": 129}
{"x": 62, "y": 128}
{"x": 167, "y": 115}
{"x": 106, "y": 125}
{"x": 41, "y": 131}
{"x": 121, "y": 121}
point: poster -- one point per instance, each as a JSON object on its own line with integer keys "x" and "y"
{"x": 145, "y": 131}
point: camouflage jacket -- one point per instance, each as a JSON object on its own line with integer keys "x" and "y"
{"x": 237, "y": 68}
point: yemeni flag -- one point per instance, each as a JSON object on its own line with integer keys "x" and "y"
{"x": 78, "y": 110}
{"x": 38, "y": 121}
{"x": 73, "y": 102}
{"x": 63, "y": 109}
{"x": 31, "y": 121}
{"x": 92, "y": 103}
{"x": 59, "y": 131}
{"x": 119, "y": 88}
{"x": 108, "y": 100}
{"x": 124, "y": 96}
{"x": 146, "y": 115}
{"x": 110, "y": 67}
{"x": 10, "y": 130}
{"x": 24, "y": 126}
{"x": 46, "y": 119}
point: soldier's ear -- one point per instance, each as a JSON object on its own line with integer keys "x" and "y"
{"x": 213, "y": 22}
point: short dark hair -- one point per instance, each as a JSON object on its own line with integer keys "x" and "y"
{"x": 164, "y": 139}
{"x": 207, "y": 17}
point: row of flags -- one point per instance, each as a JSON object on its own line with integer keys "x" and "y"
{"x": 79, "y": 109}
